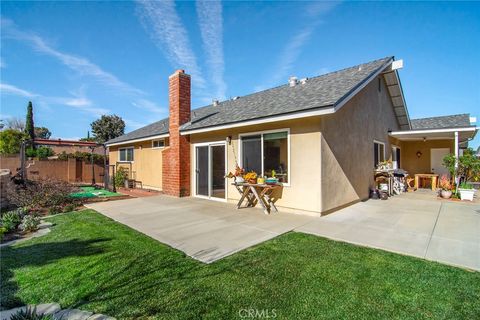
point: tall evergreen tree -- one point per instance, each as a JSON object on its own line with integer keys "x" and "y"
{"x": 29, "y": 127}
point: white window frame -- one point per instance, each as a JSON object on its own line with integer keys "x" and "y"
{"x": 125, "y": 148}
{"x": 210, "y": 164}
{"x": 158, "y": 141}
{"x": 261, "y": 133}
{"x": 382, "y": 143}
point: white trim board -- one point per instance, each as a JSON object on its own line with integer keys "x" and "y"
{"x": 405, "y": 133}
{"x": 299, "y": 115}
{"x": 166, "y": 135}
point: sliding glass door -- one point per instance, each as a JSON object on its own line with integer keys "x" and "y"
{"x": 210, "y": 170}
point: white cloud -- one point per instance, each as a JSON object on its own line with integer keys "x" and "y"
{"x": 10, "y": 89}
{"x": 211, "y": 28}
{"x": 150, "y": 106}
{"x": 164, "y": 26}
{"x": 132, "y": 124}
{"x": 79, "y": 64}
{"x": 294, "y": 47}
{"x": 77, "y": 101}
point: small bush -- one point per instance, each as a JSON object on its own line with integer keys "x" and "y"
{"x": 44, "y": 152}
{"x": 30, "y": 152}
{"x": 69, "y": 207}
{"x": 30, "y": 223}
{"x": 30, "y": 314}
{"x": 54, "y": 210}
{"x": 3, "y": 230}
{"x": 11, "y": 220}
{"x": 120, "y": 176}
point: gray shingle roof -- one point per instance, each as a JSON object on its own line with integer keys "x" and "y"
{"x": 453, "y": 121}
{"x": 318, "y": 92}
{"x": 153, "y": 129}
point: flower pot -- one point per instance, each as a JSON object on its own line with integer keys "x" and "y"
{"x": 446, "y": 194}
{"x": 466, "y": 194}
{"x": 252, "y": 181}
{"x": 239, "y": 180}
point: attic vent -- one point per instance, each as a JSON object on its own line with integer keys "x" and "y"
{"x": 215, "y": 103}
{"x": 292, "y": 81}
{"x": 303, "y": 81}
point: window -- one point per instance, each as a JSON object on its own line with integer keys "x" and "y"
{"x": 265, "y": 153}
{"x": 378, "y": 152}
{"x": 125, "y": 154}
{"x": 158, "y": 143}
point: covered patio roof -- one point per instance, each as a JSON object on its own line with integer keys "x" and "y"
{"x": 464, "y": 134}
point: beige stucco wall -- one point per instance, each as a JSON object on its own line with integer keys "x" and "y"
{"x": 147, "y": 163}
{"x": 303, "y": 193}
{"x": 347, "y": 145}
{"x": 413, "y": 164}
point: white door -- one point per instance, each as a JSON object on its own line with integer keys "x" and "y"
{"x": 436, "y": 160}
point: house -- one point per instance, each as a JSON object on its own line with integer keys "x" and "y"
{"x": 323, "y": 136}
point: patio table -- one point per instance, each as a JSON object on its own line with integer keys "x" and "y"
{"x": 254, "y": 193}
{"x": 432, "y": 177}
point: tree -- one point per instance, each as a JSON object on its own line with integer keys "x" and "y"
{"x": 108, "y": 127}
{"x": 42, "y": 132}
{"x": 10, "y": 141}
{"x": 29, "y": 127}
{"x": 88, "y": 138}
{"x": 16, "y": 124}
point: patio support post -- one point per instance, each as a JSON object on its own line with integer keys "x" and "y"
{"x": 456, "y": 156}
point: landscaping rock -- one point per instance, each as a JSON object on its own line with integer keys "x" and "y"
{"x": 72, "y": 314}
{"x": 47, "y": 308}
{"x": 6, "y": 314}
{"x": 58, "y": 314}
{"x": 98, "y": 316}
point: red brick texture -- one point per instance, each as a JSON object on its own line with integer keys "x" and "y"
{"x": 176, "y": 159}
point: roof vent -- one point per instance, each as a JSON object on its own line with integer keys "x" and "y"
{"x": 359, "y": 68}
{"x": 292, "y": 81}
{"x": 303, "y": 81}
{"x": 215, "y": 103}
{"x": 236, "y": 98}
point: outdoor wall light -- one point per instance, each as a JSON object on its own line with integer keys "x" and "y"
{"x": 419, "y": 154}
{"x": 424, "y": 139}
{"x": 229, "y": 140}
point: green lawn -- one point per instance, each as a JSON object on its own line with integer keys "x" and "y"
{"x": 91, "y": 262}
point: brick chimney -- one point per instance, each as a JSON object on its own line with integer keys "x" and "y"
{"x": 176, "y": 158}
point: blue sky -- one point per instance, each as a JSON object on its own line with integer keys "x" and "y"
{"x": 78, "y": 60}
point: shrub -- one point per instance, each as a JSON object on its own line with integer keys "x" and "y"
{"x": 30, "y": 223}
{"x": 44, "y": 152}
{"x": 69, "y": 207}
{"x": 10, "y": 141}
{"x": 11, "y": 220}
{"x": 54, "y": 210}
{"x": 120, "y": 176}
{"x": 30, "y": 152}
{"x": 3, "y": 230}
{"x": 42, "y": 193}
{"x": 30, "y": 314}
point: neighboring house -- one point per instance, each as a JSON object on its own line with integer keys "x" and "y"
{"x": 323, "y": 136}
{"x": 70, "y": 146}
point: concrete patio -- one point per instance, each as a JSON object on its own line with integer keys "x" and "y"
{"x": 205, "y": 230}
{"x": 413, "y": 224}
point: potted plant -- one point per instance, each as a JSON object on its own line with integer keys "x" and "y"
{"x": 237, "y": 175}
{"x": 446, "y": 187}
{"x": 466, "y": 191}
